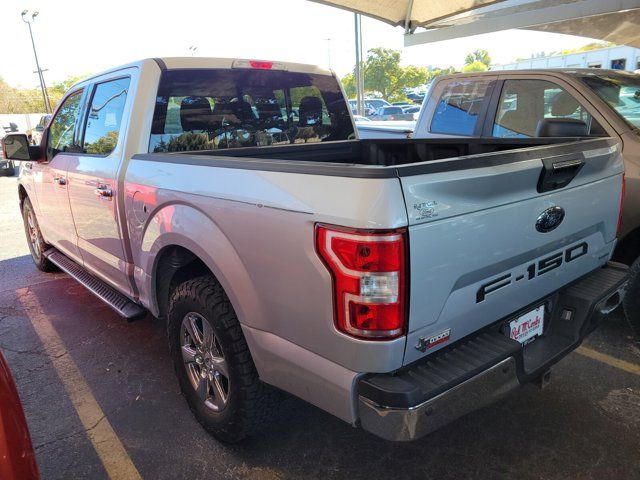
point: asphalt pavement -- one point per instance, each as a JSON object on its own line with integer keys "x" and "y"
{"x": 101, "y": 400}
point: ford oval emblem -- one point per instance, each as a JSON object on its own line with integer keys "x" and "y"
{"x": 550, "y": 219}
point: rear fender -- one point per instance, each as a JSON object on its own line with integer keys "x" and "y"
{"x": 189, "y": 228}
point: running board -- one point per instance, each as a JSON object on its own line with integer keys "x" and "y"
{"x": 121, "y": 304}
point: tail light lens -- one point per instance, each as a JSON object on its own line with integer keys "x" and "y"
{"x": 258, "y": 64}
{"x": 369, "y": 280}
{"x": 624, "y": 188}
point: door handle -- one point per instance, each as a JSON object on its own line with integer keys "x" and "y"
{"x": 60, "y": 180}
{"x": 103, "y": 191}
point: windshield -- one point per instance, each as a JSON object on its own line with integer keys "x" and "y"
{"x": 220, "y": 108}
{"x": 621, "y": 91}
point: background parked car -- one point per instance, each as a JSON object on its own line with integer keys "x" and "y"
{"x": 368, "y": 109}
{"x": 35, "y": 134}
{"x": 413, "y": 110}
{"x": 6, "y": 166}
{"x": 17, "y": 459}
{"x": 360, "y": 118}
{"x": 392, "y": 113}
{"x": 376, "y": 103}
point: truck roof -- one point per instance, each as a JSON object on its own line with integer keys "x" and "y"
{"x": 211, "y": 62}
{"x": 572, "y": 72}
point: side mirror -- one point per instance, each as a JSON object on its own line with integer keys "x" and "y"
{"x": 16, "y": 147}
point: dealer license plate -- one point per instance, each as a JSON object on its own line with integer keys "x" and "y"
{"x": 527, "y": 327}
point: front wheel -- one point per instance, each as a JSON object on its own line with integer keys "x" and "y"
{"x": 212, "y": 361}
{"x": 37, "y": 245}
{"x": 631, "y": 302}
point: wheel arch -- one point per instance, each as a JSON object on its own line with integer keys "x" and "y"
{"x": 628, "y": 249}
{"x": 22, "y": 194}
{"x": 185, "y": 243}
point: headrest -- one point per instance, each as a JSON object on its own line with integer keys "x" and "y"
{"x": 195, "y": 113}
{"x": 563, "y": 104}
{"x": 234, "y": 112}
{"x": 562, "y": 127}
{"x": 310, "y": 111}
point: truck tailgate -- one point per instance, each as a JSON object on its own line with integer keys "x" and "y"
{"x": 478, "y": 243}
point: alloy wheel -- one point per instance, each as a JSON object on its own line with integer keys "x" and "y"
{"x": 204, "y": 361}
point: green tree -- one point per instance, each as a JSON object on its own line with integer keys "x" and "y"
{"x": 383, "y": 75}
{"x": 382, "y": 71}
{"x": 29, "y": 100}
{"x": 479, "y": 55}
{"x": 476, "y": 66}
{"x": 349, "y": 85}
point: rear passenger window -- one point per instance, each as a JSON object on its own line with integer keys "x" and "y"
{"x": 458, "y": 108}
{"x": 105, "y": 116}
{"x": 524, "y": 104}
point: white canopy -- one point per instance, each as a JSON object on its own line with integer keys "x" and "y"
{"x": 611, "y": 20}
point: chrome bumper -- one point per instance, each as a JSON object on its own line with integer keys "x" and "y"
{"x": 402, "y": 424}
{"x": 484, "y": 367}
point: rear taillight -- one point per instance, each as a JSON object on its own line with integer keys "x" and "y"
{"x": 369, "y": 279}
{"x": 624, "y": 188}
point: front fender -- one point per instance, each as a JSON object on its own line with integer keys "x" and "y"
{"x": 187, "y": 227}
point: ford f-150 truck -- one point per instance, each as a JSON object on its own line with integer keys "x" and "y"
{"x": 590, "y": 103}
{"x": 395, "y": 284}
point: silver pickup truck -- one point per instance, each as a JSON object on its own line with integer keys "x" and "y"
{"x": 590, "y": 103}
{"x": 395, "y": 284}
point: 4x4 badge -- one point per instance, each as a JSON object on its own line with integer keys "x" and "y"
{"x": 426, "y": 343}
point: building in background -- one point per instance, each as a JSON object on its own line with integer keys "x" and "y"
{"x": 618, "y": 58}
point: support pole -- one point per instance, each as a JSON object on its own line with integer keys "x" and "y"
{"x": 359, "y": 74}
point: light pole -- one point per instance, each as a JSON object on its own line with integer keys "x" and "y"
{"x": 328, "y": 40}
{"x": 45, "y": 96}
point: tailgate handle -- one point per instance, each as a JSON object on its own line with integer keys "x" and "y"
{"x": 558, "y": 173}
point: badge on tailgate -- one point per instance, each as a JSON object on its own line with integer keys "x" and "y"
{"x": 533, "y": 270}
{"x": 426, "y": 343}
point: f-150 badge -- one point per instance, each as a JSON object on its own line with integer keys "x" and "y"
{"x": 425, "y": 209}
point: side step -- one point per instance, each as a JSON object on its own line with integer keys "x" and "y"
{"x": 121, "y": 304}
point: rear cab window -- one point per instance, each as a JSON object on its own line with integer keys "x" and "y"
{"x": 209, "y": 109}
{"x": 523, "y": 104}
{"x": 459, "y": 106}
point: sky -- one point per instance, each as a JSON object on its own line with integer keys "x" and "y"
{"x": 83, "y": 37}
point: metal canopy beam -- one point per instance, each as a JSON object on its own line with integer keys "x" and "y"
{"x": 497, "y": 21}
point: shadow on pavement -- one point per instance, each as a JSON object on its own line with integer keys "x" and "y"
{"x": 561, "y": 432}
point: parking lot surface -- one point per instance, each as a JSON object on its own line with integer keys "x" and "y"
{"x": 101, "y": 401}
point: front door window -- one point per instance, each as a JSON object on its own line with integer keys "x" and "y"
{"x": 62, "y": 130}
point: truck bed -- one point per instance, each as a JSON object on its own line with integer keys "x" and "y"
{"x": 351, "y": 158}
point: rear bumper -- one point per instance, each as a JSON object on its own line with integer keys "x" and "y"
{"x": 482, "y": 368}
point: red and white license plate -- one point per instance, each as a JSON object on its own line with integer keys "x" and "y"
{"x": 527, "y": 327}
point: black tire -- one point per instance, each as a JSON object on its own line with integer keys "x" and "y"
{"x": 248, "y": 402}
{"x": 631, "y": 302}
{"x": 36, "y": 249}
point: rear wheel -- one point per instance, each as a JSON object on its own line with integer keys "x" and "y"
{"x": 212, "y": 361}
{"x": 631, "y": 301}
{"x": 37, "y": 245}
